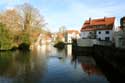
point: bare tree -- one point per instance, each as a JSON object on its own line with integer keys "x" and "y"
{"x": 31, "y": 17}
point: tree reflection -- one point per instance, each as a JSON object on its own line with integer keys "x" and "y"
{"x": 5, "y": 61}
{"x": 22, "y": 67}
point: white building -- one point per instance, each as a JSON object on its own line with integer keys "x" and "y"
{"x": 106, "y": 35}
{"x": 100, "y": 30}
{"x": 120, "y": 35}
{"x": 71, "y": 34}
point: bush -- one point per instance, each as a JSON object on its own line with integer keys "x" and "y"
{"x": 60, "y": 45}
{"x": 24, "y": 47}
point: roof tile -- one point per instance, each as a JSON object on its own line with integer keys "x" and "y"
{"x": 97, "y": 22}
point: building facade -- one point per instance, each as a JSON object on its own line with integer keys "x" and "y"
{"x": 106, "y": 35}
{"x": 120, "y": 35}
{"x": 101, "y": 29}
{"x": 71, "y": 34}
{"x": 97, "y": 31}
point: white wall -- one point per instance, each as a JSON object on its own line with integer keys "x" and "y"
{"x": 120, "y": 39}
{"x": 84, "y": 34}
{"x": 70, "y": 36}
{"x": 85, "y": 42}
{"x": 103, "y": 34}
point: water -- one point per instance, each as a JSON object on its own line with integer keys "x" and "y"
{"x": 46, "y": 64}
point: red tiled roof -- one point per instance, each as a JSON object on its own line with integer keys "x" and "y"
{"x": 72, "y": 31}
{"x": 94, "y": 29}
{"x": 60, "y": 35}
{"x": 87, "y": 26}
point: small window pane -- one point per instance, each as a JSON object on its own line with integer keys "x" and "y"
{"x": 99, "y": 32}
{"x": 107, "y": 38}
{"x": 107, "y": 32}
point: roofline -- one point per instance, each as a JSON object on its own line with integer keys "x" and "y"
{"x": 95, "y": 29}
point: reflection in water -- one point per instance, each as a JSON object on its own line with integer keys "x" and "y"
{"x": 69, "y": 50}
{"x": 46, "y": 64}
{"x": 88, "y": 65}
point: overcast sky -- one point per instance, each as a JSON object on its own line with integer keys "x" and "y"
{"x": 71, "y": 13}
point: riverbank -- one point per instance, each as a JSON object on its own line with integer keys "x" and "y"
{"x": 22, "y": 47}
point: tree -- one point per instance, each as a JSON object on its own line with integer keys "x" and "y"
{"x": 11, "y": 19}
{"x": 31, "y": 20}
{"x": 30, "y": 16}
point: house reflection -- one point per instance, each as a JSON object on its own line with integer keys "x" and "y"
{"x": 68, "y": 51}
{"x": 91, "y": 69}
{"x": 88, "y": 65}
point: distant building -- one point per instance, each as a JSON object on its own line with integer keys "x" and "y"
{"x": 44, "y": 39}
{"x": 97, "y": 31}
{"x": 120, "y": 34}
{"x": 71, "y": 34}
{"x": 56, "y": 37}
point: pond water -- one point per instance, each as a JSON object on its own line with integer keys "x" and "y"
{"x": 47, "y": 64}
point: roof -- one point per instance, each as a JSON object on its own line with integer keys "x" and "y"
{"x": 95, "y": 29}
{"x": 72, "y": 31}
{"x": 60, "y": 35}
{"x": 87, "y": 26}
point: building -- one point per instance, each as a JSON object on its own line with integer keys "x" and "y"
{"x": 71, "y": 34}
{"x": 120, "y": 35}
{"x": 57, "y": 37}
{"x": 101, "y": 29}
{"x": 97, "y": 31}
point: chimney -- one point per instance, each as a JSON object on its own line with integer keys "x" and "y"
{"x": 90, "y": 20}
{"x": 104, "y": 18}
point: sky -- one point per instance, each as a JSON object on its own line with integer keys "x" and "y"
{"x": 71, "y": 13}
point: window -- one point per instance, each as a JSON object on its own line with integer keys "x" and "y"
{"x": 107, "y": 32}
{"x": 90, "y": 32}
{"x": 99, "y": 32}
{"x": 99, "y": 39}
{"x": 107, "y": 38}
{"x": 100, "y": 26}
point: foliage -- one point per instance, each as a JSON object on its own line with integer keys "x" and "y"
{"x": 25, "y": 38}
{"x": 60, "y": 45}
{"x": 24, "y": 47}
{"x": 5, "y": 38}
{"x": 121, "y": 21}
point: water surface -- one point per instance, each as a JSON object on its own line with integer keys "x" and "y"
{"x": 47, "y": 64}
